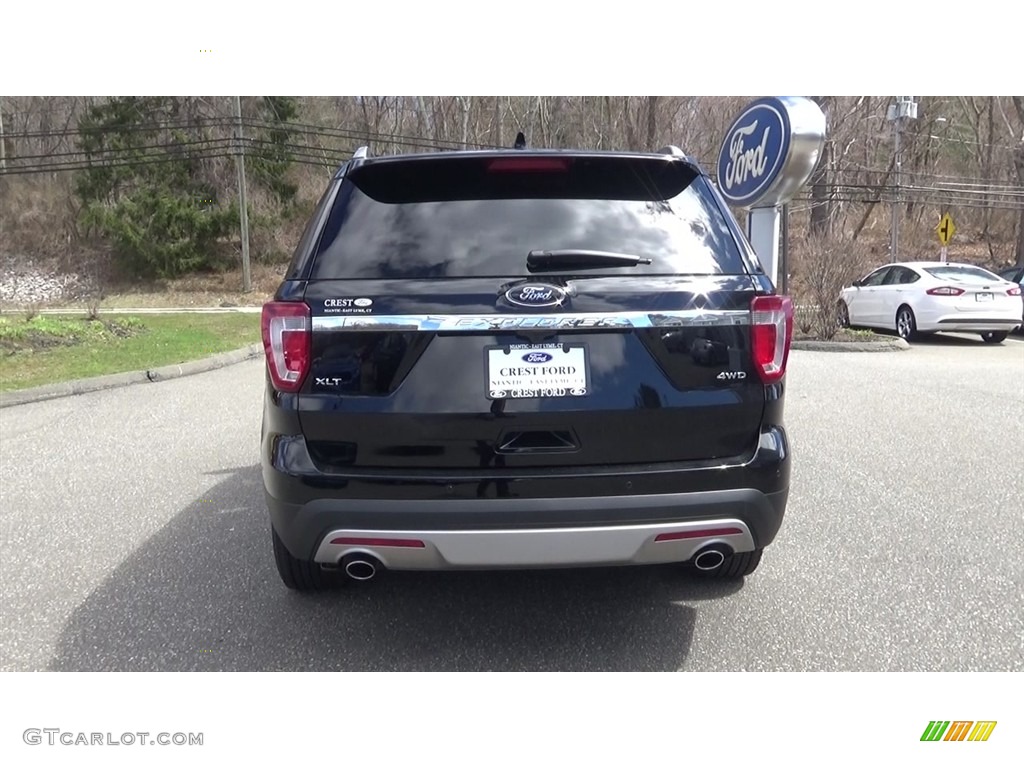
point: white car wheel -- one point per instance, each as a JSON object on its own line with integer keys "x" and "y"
{"x": 906, "y": 323}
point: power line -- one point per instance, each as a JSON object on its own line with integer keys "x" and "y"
{"x": 99, "y": 153}
{"x": 199, "y": 122}
{"x": 953, "y": 189}
{"x": 954, "y": 140}
{"x": 386, "y": 138}
{"x": 83, "y": 166}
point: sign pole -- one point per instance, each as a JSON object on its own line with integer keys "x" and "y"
{"x": 784, "y": 253}
{"x": 763, "y": 225}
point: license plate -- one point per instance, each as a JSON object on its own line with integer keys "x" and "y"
{"x": 537, "y": 370}
{"x": 983, "y": 296}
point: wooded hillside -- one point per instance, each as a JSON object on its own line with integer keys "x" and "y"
{"x": 88, "y": 175}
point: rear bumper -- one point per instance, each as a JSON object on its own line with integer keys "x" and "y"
{"x": 968, "y": 322}
{"x": 487, "y": 519}
{"x": 536, "y": 548}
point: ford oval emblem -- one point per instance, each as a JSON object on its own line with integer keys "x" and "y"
{"x": 535, "y": 295}
{"x": 754, "y": 152}
{"x": 537, "y": 357}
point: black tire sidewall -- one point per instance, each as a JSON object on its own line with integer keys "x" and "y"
{"x": 844, "y": 314}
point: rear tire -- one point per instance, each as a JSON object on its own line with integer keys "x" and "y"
{"x": 300, "y": 575}
{"x": 906, "y": 323}
{"x": 994, "y": 337}
{"x": 738, "y": 565}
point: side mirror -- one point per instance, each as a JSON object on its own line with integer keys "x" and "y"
{"x": 858, "y": 283}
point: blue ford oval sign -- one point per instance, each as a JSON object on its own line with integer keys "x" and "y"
{"x": 537, "y": 357}
{"x": 768, "y": 154}
{"x": 754, "y": 152}
{"x": 535, "y": 295}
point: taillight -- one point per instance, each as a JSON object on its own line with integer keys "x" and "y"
{"x": 1015, "y": 291}
{"x": 771, "y": 334}
{"x": 287, "y": 334}
{"x": 945, "y": 290}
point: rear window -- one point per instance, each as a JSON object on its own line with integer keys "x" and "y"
{"x": 963, "y": 274}
{"x": 480, "y": 216}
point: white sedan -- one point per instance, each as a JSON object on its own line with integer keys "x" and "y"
{"x": 918, "y": 297}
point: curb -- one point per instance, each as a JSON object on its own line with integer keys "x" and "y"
{"x": 98, "y": 383}
{"x": 885, "y": 345}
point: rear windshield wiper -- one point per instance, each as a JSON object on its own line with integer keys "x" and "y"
{"x": 577, "y": 259}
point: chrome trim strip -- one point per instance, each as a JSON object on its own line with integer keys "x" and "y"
{"x": 581, "y": 320}
{"x": 539, "y": 547}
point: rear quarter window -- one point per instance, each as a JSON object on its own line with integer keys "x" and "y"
{"x": 480, "y": 217}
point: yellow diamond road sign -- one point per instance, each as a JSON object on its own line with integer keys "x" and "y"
{"x": 946, "y": 229}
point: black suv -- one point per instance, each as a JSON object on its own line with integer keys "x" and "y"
{"x": 523, "y": 359}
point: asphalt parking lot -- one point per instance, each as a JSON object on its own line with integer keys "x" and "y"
{"x": 134, "y": 538}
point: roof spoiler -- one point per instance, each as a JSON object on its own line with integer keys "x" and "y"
{"x": 673, "y": 150}
{"x": 357, "y": 157}
{"x": 362, "y": 153}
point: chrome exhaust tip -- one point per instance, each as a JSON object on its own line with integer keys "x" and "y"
{"x": 710, "y": 558}
{"x": 360, "y": 567}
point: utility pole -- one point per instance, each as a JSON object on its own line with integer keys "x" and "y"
{"x": 904, "y": 109}
{"x": 243, "y": 212}
{"x": 894, "y": 227}
{"x": 3, "y": 149}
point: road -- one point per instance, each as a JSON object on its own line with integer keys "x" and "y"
{"x": 134, "y": 538}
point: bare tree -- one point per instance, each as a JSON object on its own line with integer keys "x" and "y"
{"x": 827, "y": 265}
{"x": 1018, "y": 163}
{"x": 652, "y": 120}
{"x": 821, "y": 206}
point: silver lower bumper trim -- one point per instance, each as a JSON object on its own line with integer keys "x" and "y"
{"x": 536, "y": 548}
